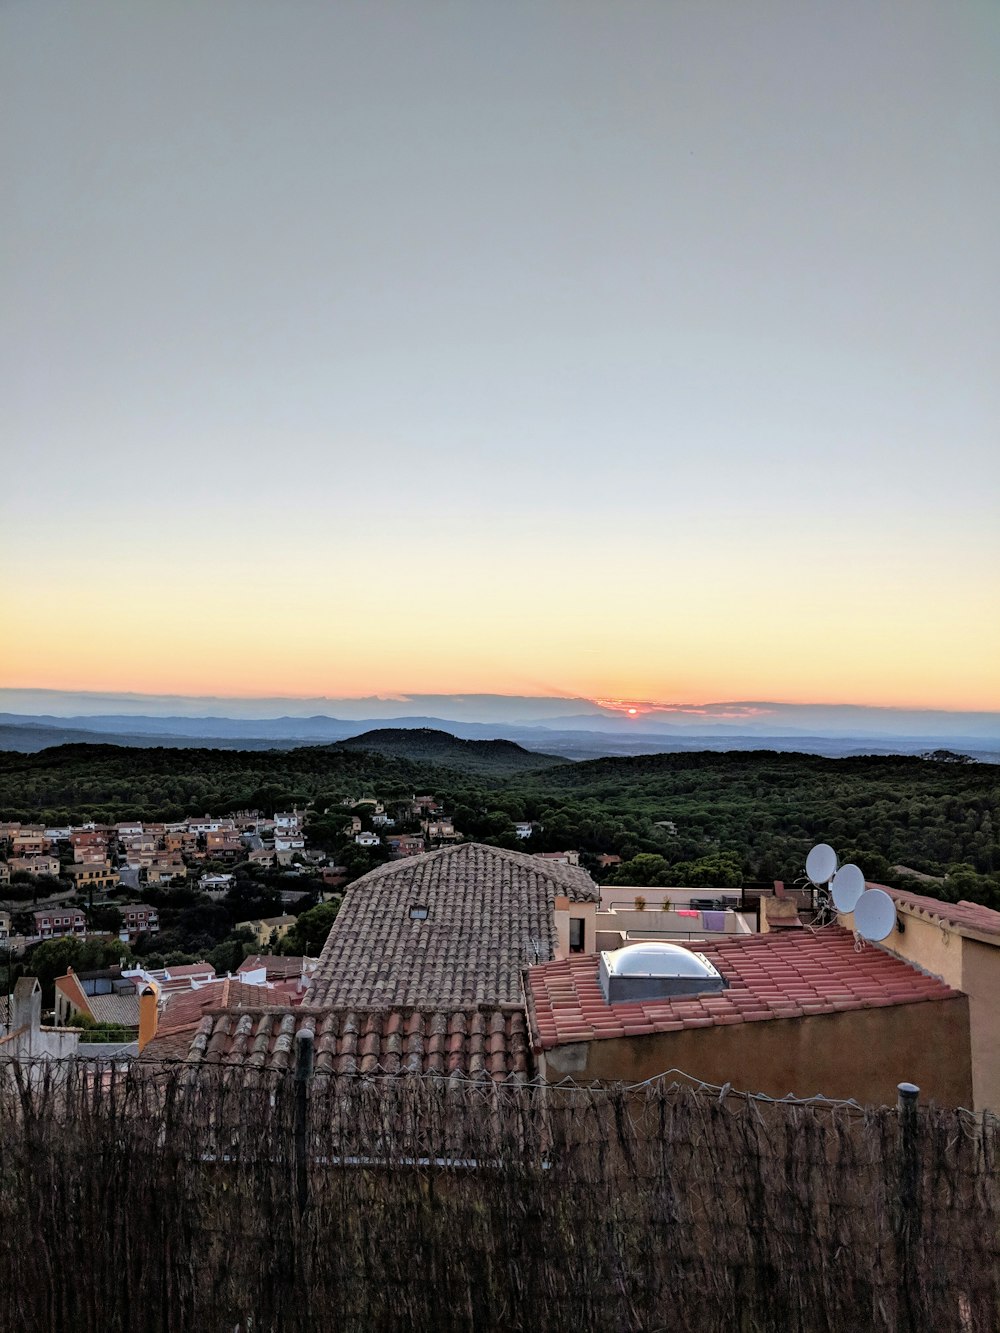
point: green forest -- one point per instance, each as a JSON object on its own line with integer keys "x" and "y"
{"x": 759, "y": 810}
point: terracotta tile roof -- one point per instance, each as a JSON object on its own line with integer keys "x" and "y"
{"x": 788, "y": 975}
{"x": 275, "y": 965}
{"x": 489, "y": 915}
{"x": 477, "y": 1043}
{"x": 185, "y": 1009}
{"x": 962, "y": 916}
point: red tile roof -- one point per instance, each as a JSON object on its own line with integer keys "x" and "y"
{"x": 478, "y": 1043}
{"x": 786, "y": 975}
{"x": 185, "y": 1009}
{"x": 962, "y": 916}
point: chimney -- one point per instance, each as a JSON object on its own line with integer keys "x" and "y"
{"x": 149, "y": 999}
{"x": 26, "y": 1006}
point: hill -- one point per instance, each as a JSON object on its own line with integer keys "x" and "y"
{"x": 427, "y": 746}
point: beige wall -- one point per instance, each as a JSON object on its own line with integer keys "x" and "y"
{"x": 862, "y": 1053}
{"x": 968, "y": 965}
{"x": 564, "y": 910}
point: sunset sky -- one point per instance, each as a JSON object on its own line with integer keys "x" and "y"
{"x": 638, "y": 351}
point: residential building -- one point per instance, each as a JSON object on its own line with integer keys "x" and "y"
{"x": 405, "y": 844}
{"x": 58, "y": 921}
{"x": 5, "y": 927}
{"x": 787, "y": 1012}
{"x": 960, "y": 944}
{"x": 449, "y": 929}
{"x": 105, "y": 996}
{"x": 138, "y": 919}
{"x": 267, "y": 930}
{"x": 87, "y": 877}
{"x": 4, "y": 873}
{"x": 215, "y": 883}
{"x": 288, "y": 822}
{"x": 439, "y": 830}
{"x": 524, "y": 829}
{"x": 367, "y": 839}
{"x": 35, "y": 865}
{"x": 29, "y": 844}
{"x": 563, "y": 858}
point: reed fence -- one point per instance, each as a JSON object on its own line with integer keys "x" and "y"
{"x": 168, "y": 1199}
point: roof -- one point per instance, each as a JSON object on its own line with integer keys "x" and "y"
{"x": 275, "y": 965}
{"x": 965, "y": 917}
{"x": 489, "y": 915}
{"x": 787, "y": 975}
{"x": 475, "y": 1043}
{"x": 122, "y": 1010}
{"x": 184, "y": 1010}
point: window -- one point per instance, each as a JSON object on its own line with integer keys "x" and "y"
{"x": 418, "y": 912}
{"x": 576, "y": 934}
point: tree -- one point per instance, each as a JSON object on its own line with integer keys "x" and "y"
{"x": 53, "y": 958}
{"x": 309, "y": 933}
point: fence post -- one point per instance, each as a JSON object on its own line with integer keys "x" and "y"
{"x": 303, "y": 1073}
{"x": 908, "y": 1210}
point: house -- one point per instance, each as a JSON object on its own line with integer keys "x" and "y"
{"x": 959, "y": 943}
{"x": 4, "y": 873}
{"x": 5, "y": 926}
{"x": 261, "y": 856}
{"x": 366, "y": 839}
{"x": 421, "y": 973}
{"x": 289, "y": 841}
{"x": 288, "y": 822}
{"x": 563, "y": 858}
{"x": 30, "y": 844}
{"x": 383, "y": 821}
{"x": 524, "y": 829}
{"x": 334, "y": 876}
{"x": 55, "y": 922}
{"x": 215, "y": 883}
{"x": 88, "y": 844}
{"x": 89, "y": 876}
{"x": 138, "y": 919}
{"x": 105, "y": 996}
{"x": 405, "y": 844}
{"x": 266, "y": 930}
{"x": 177, "y": 841}
{"x": 439, "y": 830}
{"x": 35, "y": 865}
{"x": 209, "y": 824}
{"x": 129, "y": 828}
{"x": 165, "y": 871}
{"x": 450, "y": 929}
{"x": 788, "y": 1012}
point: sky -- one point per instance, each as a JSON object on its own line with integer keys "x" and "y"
{"x": 637, "y": 351}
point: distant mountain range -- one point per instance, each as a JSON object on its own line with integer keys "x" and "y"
{"x": 579, "y": 736}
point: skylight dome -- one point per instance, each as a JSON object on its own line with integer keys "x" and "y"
{"x": 655, "y": 969}
{"x": 657, "y": 958}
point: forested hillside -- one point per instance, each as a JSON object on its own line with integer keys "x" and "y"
{"x": 759, "y": 810}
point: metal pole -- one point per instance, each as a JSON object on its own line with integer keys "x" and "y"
{"x": 303, "y": 1073}
{"x": 908, "y": 1210}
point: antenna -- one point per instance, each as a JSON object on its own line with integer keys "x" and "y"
{"x": 874, "y": 915}
{"x": 847, "y": 887}
{"x": 821, "y": 864}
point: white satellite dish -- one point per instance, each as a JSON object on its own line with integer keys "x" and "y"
{"x": 874, "y": 915}
{"x": 847, "y": 887}
{"x": 821, "y": 864}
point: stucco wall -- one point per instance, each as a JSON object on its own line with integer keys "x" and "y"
{"x": 981, "y": 982}
{"x": 862, "y": 1053}
{"x": 970, "y": 966}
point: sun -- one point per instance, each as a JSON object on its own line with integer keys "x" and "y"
{"x": 632, "y": 712}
